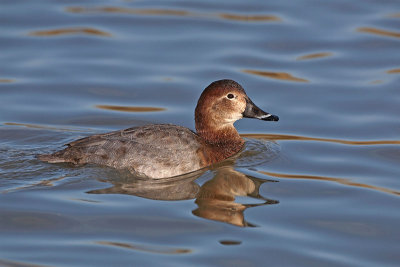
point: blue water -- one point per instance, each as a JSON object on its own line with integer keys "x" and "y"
{"x": 318, "y": 188}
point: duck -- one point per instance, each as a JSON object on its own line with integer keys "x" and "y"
{"x": 165, "y": 150}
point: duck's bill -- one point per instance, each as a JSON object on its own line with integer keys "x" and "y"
{"x": 252, "y": 111}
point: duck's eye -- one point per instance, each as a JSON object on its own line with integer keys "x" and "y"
{"x": 230, "y": 96}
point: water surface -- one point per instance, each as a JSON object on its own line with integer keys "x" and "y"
{"x": 318, "y": 188}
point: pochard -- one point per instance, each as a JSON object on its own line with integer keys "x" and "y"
{"x": 166, "y": 150}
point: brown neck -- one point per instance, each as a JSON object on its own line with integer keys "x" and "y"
{"x": 224, "y": 135}
{"x": 225, "y": 139}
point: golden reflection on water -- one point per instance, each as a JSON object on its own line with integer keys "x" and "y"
{"x": 331, "y": 179}
{"x": 7, "y": 80}
{"x": 331, "y": 140}
{"x": 36, "y": 126}
{"x": 379, "y": 32}
{"x": 69, "y": 31}
{"x": 124, "y": 10}
{"x": 315, "y": 55}
{"x": 230, "y": 242}
{"x": 395, "y": 15}
{"x": 130, "y": 109}
{"x": 150, "y": 249}
{"x": 393, "y": 71}
{"x": 170, "y": 12}
{"x": 376, "y": 82}
{"x": 249, "y": 18}
{"x": 276, "y": 75}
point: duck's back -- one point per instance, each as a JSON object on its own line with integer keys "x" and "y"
{"x": 157, "y": 150}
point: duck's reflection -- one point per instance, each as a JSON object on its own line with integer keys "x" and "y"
{"x": 175, "y": 188}
{"x": 215, "y": 198}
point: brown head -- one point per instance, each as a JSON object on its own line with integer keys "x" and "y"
{"x": 221, "y": 104}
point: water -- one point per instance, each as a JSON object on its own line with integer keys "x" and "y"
{"x": 318, "y": 188}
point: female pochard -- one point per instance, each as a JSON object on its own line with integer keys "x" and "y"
{"x": 166, "y": 150}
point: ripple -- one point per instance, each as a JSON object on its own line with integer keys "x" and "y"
{"x": 330, "y": 140}
{"x": 376, "y": 82}
{"x": 70, "y": 31}
{"x": 343, "y": 181}
{"x": 249, "y": 18}
{"x": 37, "y": 126}
{"x": 230, "y": 242}
{"x": 130, "y": 109}
{"x": 7, "y": 80}
{"x": 276, "y": 75}
{"x": 150, "y": 249}
{"x": 8, "y": 263}
{"x": 379, "y": 32}
{"x": 171, "y": 12}
{"x": 315, "y": 55}
{"x": 393, "y": 71}
{"x": 35, "y": 221}
{"x": 124, "y": 10}
{"x": 46, "y": 183}
{"x": 257, "y": 152}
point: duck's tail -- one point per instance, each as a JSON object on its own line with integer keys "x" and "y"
{"x": 56, "y": 157}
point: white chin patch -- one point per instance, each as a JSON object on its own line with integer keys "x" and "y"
{"x": 234, "y": 118}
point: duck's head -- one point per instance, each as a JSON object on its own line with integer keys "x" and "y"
{"x": 222, "y": 103}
